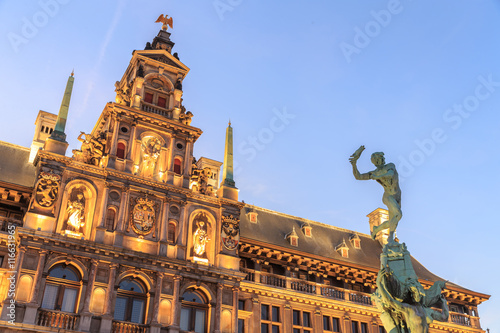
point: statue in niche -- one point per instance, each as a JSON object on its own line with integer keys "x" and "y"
{"x": 201, "y": 237}
{"x": 387, "y": 176}
{"x": 407, "y": 307}
{"x": 92, "y": 150}
{"x": 47, "y": 189}
{"x": 151, "y": 149}
{"x": 76, "y": 217}
{"x": 230, "y": 232}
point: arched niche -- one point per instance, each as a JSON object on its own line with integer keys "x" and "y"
{"x": 77, "y": 210}
{"x": 158, "y": 81}
{"x": 202, "y": 237}
{"x": 24, "y": 288}
{"x": 164, "y": 312}
{"x": 98, "y": 301}
{"x": 151, "y": 155}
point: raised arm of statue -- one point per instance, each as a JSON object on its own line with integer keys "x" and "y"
{"x": 353, "y": 159}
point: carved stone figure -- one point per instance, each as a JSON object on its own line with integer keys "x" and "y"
{"x": 230, "y": 232}
{"x": 185, "y": 117}
{"x": 76, "y": 217}
{"x": 201, "y": 236}
{"x": 387, "y": 176}
{"x": 143, "y": 217}
{"x": 92, "y": 150}
{"x": 151, "y": 149}
{"x": 47, "y": 189}
{"x": 122, "y": 94}
{"x": 199, "y": 180}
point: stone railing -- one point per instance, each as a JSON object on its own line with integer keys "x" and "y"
{"x": 156, "y": 110}
{"x": 5, "y": 221}
{"x": 57, "y": 319}
{"x": 127, "y": 327}
{"x": 307, "y": 287}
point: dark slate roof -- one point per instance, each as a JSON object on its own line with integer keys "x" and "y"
{"x": 272, "y": 227}
{"x": 14, "y": 165}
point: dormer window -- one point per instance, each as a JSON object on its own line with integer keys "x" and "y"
{"x": 342, "y": 249}
{"x": 252, "y": 217}
{"x": 293, "y": 238}
{"x": 156, "y": 98}
{"x": 307, "y": 230}
{"x": 355, "y": 241}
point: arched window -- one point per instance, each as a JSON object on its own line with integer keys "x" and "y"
{"x": 110, "y": 219}
{"x": 120, "y": 150}
{"x": 177, "y": 165}
{"x": 62, "y": 289}
{"x": 171, "y": 231}
{"x": 194, "y": 310}
{"x": 131, "y": 301}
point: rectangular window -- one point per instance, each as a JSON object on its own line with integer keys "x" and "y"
{"x": 364, "y": 328}
{"x": 148, "y": 98}
{"x": 327, "y": 326}
{"x": 270, "y": 319}
{"x": 354, "y": 327}
{"x": 162, "y": 102}
{"x": 301, "y": 321}
{"x": 241, "y": 326}
{"x": 335, "y": 324}
{"x": 381, "y": 329}
{"x": 241, "y": 305}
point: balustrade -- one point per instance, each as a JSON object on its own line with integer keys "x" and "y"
{"x": 460, "y": 319}
{"x": 156, "y": 110}
{"x": 127, "y": 327}
{"x": 57, "y": 319}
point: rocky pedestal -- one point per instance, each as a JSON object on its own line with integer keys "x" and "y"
{"x": 406, "y": 306}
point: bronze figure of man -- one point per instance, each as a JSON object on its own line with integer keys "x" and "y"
{"x": 387, "y": 176}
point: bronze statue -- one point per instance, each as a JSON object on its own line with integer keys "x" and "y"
{"x": 387, "y": 176}
{"x": 167, "y": 21}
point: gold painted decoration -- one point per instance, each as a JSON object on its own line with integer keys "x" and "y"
{"x": 47, "y": 189}
{"x": 230, "y": 232}
{"x": 201, "y": 238}
{"x": 167, "y": 21}
{"x": 143, "y": 217}
{"x": 76, "y": 214}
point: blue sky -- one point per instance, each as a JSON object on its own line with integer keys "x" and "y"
{"x": 304, "y": 85}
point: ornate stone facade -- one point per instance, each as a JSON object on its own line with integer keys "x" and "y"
{"x": 132, "y": 234}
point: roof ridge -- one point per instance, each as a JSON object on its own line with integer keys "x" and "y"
{"x": 307, "y": 220}
{"x": 14, "y": 145}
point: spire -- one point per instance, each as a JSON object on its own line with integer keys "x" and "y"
{"x": 56, "y": 143}
{"x": 227, "y": 172}
{"x": 58, "y": 133}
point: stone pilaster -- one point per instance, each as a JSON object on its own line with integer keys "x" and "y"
{"x": 32, "y": 307}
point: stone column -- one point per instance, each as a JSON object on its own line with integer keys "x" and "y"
{"x": 38, "y": 276}
{"x": 104, "y": 204}
{"x": 155, "y": 325}
{"x": 183, "y": 232}
{"x": 123, "y": 208}
{"x": 131, "y": 145}
{"x": 32, "y": 306}
{"x": 176, "y": 306}
{"x": 256, "y": 315}
{"x": 346, "y": 322}
{"x": 156, "y": 302}
{"x": 318, "y": 320}
{"x": 14, "y": 275}
{"x": 86, "y": 316}
{"x": 114, "y": 138}
{"x": 107, "y": 318}
{"x": 287, "y": 318}
{"x": 218, "y": 307}
{"x": 235, "y": 308}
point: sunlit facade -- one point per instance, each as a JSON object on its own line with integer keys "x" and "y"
{"x": 131, "y": 233}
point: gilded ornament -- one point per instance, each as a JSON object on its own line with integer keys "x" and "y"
{"x": 143, "y": 217}
{"x": 47, "y": 189}
{"x": 230, "y": 232}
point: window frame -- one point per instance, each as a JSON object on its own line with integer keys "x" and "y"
{"x": 130, "y": 296}
{"x": 192, "y": 307}
{"x": 62, "y": 285}
{"x": 299, "y": 327}
{"x": 270, "y": 322}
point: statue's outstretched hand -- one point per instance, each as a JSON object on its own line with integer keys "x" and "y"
{"x": 355, "y": 156}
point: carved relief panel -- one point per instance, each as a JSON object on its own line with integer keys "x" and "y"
{"x": 143, "y": 219}
{"x": 46, "y": 191}
{"x": 230, "y": 233}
